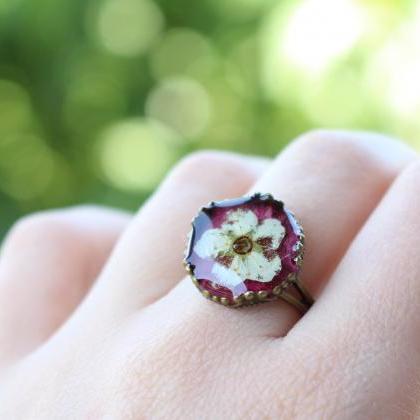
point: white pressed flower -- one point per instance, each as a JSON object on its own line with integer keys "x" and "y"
{"x": 238, "y": 242}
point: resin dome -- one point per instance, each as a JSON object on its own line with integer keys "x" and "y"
{"x": 245, "y": 250}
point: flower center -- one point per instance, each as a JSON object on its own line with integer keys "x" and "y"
{"x": 242, "y": 245}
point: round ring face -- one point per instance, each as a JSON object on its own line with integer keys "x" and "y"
{"x": 245, "y": 250}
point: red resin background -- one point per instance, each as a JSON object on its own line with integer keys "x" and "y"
{"x": 264, "y": 207}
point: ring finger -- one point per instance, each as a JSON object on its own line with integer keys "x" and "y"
{"x": 332, "y": 181}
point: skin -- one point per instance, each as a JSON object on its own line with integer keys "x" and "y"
{"x": 98, "y": 320}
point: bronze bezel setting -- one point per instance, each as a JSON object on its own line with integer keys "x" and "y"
{"x": 290, "y": 289}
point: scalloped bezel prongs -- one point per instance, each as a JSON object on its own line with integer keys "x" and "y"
{"x": 247, "y": 250}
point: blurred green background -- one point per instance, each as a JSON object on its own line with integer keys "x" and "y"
{"x": 98, "y": 98}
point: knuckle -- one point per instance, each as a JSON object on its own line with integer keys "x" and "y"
{"x": 199, "y": 162}
{"x": 411, "y": 174}
{"x": 356, "y": 153}
{"x": 218, "y": 171}
{"x": 38, "y": 229}
{"x": 87, "y": 208}
{"x": 34, "y": 224}
{"x": 407, "y": 187}
{"x": 332, "y": 144}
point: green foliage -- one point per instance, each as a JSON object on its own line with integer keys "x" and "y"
{"x": 98, "y": 98}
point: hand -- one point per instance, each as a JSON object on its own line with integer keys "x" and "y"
{"x": 93, "y": 331}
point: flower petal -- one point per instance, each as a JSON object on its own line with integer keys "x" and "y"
{"x": 271, "y": 269}
{"x": 254, "y": 266}
{"x": 226, "y": 277}
{"x": 240, "y": 222}
{"x": 213, "y": 242}
{"x": 270, "y": 228}
{"x": 263, "y": 269}
{"x": 239, "y": 267}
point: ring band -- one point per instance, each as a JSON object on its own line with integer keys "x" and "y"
{"x": 247, "y": 250}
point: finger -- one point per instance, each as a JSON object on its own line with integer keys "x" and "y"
{"x": 47, "y": 264}
{"x": 373, "y": 300}
{"x": 331, "y": 181}
{"x": 148, "y": 260}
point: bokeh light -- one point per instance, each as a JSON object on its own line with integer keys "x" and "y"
{"x": 136, "y": 153}
{"x": 99, "y": 98}
{"x": 129, "y": 27}
{"x": 182, "y": 104}
{"x": 26, "y": 166}
{"x": 319, "y": 31}
{"x": 395, "y": 68}
{"x": 183, "y": 51}
{"x": 15, "y": 108}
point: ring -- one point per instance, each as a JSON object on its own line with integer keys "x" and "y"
{"x": 247, "y": 250}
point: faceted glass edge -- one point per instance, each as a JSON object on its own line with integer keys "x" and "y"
{"x": 249, "y": 298}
